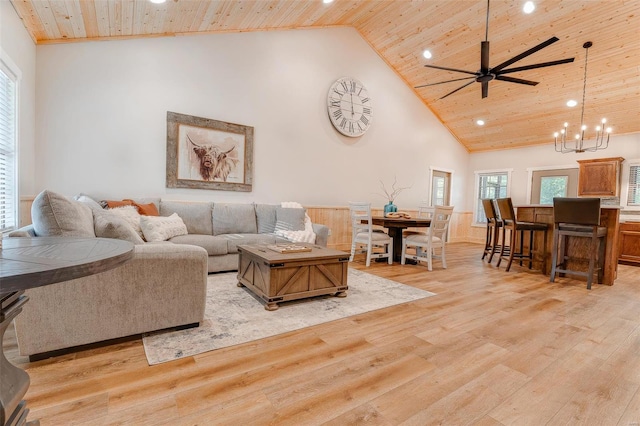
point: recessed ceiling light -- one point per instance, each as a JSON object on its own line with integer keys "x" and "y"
{"x": 157, "y": 1}
{"x": 529, "y": 7}
{"x": 571, "y": 103}
{"x": 427, "y": 54}
{"x": 480, "y": 122}
{"x": 327, "y": 1}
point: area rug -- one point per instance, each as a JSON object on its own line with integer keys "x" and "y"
{"x": 234, "y": 315}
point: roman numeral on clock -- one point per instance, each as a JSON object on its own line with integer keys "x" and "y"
{"x": 337, "y": 114}
{"x": 335, "y": 104}
{"x": 366, "y": 110}
{"x": 364, "y": 120}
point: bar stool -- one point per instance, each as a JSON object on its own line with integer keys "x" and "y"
{"x": 578, "y": 217}
{"x": 494, "y": 224}
{"x": 509, "y": 222}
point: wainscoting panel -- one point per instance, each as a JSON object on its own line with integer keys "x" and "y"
{"x": 337, "y": 219}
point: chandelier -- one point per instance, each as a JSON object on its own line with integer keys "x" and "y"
{"x": 565, "y": 143}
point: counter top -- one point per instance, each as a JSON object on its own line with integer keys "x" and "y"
{"x": 603, "y": 206}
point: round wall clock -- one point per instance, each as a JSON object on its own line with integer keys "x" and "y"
{"x": 349, "y": 107}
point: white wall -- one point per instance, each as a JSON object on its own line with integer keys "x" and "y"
{"x": 625, "y": 146}
{"x": 18, "y": 46}
{"x": 101, "y": 117}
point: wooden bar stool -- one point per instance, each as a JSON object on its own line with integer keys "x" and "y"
{"x": 578, "y": 217}
{"x": 509, "y": 222}
{"x": 494, "y": 224}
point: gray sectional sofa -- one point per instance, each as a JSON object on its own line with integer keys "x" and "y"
{"x": 163, "y": 286}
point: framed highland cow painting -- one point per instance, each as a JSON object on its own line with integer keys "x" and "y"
{"x": 208, "y": 154}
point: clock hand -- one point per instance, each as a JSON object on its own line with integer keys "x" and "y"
{"x": 352, "y": 113}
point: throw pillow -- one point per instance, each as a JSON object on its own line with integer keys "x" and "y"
{"x": 90, "y": 202}
{"x": 289, "y": 219}
{"x": 130, "y": 215}
{"x": 55, "y": 215}
{"x": 112, "y": 204}
{"x": 160, "y": 228}
{"x": 109, "y": 226}
{"x": 148, "y": 209}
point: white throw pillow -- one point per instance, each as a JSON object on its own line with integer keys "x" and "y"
{"x": 161, "y": 228}
{"x": 130, "y": 215}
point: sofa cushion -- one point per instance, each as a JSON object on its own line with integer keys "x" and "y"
{"x": 110, "y": 226}
{"x": 159, "y": 228}
{"x": 235, "y": 240}
{"x": 266, "y": 218}
{"x": 56, "y": 215}
{"x": 289, "y": 219}
{"x": 214, "y": 246}
{"x": 197, "y": 216}
{"x": 234, "y": 219}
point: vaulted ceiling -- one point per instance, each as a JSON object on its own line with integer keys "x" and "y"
{"x": 516, "y": 115}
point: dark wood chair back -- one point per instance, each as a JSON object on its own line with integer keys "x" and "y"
{"x": 489, "y": 209}
{"x": 505, "y": 207}
{"x": 577, "y": 211}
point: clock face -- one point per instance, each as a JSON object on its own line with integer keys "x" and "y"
{"x": 349, "y": 107}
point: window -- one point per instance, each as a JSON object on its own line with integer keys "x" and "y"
{"x": 552, "y": 186}
{"x": 548, "y": 182}
{"x": 8, "y": 119}
{"x": 490, "y": 185}
{"x": 633, "y": 197}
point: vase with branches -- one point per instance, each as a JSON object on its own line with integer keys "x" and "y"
{"x": 391, "y": 195}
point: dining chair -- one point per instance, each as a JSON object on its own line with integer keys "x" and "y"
{"x": 516, "y": 233}
{"x": 426, "y": 244}
{"x": 494, "y": 224}
{"x": 578, "y": 217}
{"x": 425, "y": 211}
{"x": 364, "y": 235}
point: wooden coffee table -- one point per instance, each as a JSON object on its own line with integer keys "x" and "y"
{"x": 279, "y": 277}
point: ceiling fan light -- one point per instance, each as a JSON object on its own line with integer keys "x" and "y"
{"x": 529, "y": 7}
{"x": 571, "y": 103}
{"x": 427, "y": 54}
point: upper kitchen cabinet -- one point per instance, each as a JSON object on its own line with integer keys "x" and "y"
{"x": 599, "y": 177}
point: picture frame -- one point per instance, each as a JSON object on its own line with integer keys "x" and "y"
{"x": 203, "y": 153}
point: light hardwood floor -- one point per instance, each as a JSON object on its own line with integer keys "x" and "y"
{"x": 492, "y": 348}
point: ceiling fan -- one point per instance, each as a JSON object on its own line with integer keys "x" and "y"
{"x": 485, "y": 74}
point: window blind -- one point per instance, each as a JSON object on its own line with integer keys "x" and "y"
{"x": 8, "y": 117}
{"x": 634, "y": 186}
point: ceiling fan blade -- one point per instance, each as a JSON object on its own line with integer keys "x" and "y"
{"x": 534, "y": 66}
{"x": 461, "y": 87}
{"x": 484, "y": 57}
{"x": 442, "y": 82}
{"x": 485, "y": 89}
{"x": 450, "y": 69}
{"x": 516, "y": 80}
{"x": 524, "y": 54}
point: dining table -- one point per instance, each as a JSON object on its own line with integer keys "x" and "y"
{"x": 27, "y": 263}
{"x": 395, "y": 226}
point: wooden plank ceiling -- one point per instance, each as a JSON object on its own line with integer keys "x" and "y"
{"x": 516, "y": 115}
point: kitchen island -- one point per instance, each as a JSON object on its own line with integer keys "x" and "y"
{"x": 577, "y": 248}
